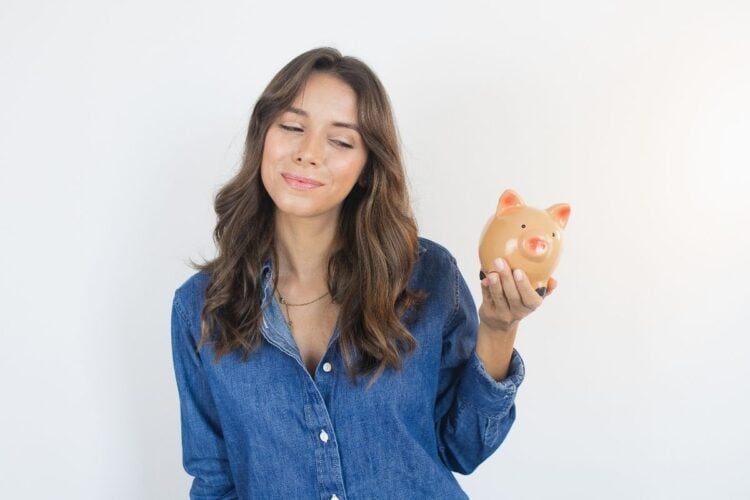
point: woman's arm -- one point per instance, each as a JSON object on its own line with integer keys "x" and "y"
{"x": 474, "y": 412}
{"x": 495, "y": 349}
{"x": 204, "y": 455}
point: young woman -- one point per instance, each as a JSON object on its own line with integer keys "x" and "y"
{"x": 321, "y": 280}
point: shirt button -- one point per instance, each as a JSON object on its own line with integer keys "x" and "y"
{"x": 324, "y": 436}
{"x": 327, "y": 368}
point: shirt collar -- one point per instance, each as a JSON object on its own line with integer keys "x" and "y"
{"x": 265, "y": 278}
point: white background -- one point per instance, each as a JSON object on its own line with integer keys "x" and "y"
{"x": 120, "y": 120}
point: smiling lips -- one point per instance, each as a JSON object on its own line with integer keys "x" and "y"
{"x": 299, "y": 182}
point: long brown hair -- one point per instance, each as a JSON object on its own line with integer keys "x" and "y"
{"x": 376, "y": 244}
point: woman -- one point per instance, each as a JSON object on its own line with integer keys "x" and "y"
{"x": 321, "y": 279}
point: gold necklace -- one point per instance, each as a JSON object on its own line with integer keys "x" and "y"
{"x": 287, "y": 304}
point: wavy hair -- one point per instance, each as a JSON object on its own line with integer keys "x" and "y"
{"x": 374, "y": 251}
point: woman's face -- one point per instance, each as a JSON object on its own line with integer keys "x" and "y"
{"x": 314, "y": 140}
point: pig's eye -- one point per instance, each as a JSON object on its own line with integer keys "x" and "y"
{"x": 523, "y": 226}
{"x": 553, "y": 235}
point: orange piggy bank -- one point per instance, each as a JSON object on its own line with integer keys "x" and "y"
{"x": 526, "y": 237}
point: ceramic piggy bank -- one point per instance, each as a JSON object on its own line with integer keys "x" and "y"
{"x": 526, "y": 237}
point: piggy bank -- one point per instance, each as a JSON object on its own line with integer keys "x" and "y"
{"x": 526, "y": 237}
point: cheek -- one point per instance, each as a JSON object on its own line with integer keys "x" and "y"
{"x": 344, "y": 176}
{"x": 270, "y": 158}
{"x": 348, "y": 168}
{"x": 273, "y": 146}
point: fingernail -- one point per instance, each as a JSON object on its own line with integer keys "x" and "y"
{"x": 518, "y": 274}
{"x": 499, "y": 264}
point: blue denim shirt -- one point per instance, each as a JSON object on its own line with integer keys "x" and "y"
{"x": 268, "y": 429}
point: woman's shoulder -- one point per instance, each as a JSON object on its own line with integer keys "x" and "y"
{"x": 433, "y": 252}
{"x": 191, "y": 293}
{"x": 435, "y": 270}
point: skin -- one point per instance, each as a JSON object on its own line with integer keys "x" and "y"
{"x": 508, "y": 301}
{"x": 311, "y": 146}
{"x": 505, "y": 302}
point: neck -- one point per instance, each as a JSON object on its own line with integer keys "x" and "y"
{"x": 303, "y": 246}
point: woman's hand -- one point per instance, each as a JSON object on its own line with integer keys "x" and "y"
{"x": 508, "y": 301}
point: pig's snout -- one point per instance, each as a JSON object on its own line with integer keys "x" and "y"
{"x": 536, "y": 246}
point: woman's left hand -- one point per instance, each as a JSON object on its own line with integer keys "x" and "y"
{"x": 508, "y": 301}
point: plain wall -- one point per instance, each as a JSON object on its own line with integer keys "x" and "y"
{"x": 120, "y": 121}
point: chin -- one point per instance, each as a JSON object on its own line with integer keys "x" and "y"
{"x": 299, "y": 210}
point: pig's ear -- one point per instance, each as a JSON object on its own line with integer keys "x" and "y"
{"x": 560, "y": 213}
{"x": 508, "y": 200}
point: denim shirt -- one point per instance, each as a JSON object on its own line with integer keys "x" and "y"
{"x": 268, "y": 429}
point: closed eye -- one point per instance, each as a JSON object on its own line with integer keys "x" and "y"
{"x": 297, "y": 129}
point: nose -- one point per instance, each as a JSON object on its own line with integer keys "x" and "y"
{"x": 537, "y": 245}
{"x": 309, "y": 151}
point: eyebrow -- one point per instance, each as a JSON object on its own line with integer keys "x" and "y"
{"x": 335, "y": 124}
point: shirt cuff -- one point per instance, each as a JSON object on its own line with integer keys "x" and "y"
{"x": 489, "y": 396}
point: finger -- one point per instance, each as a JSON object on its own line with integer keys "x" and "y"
{"x": 490, "y": 302}
{"x": 529, "y": 296}
{"x": 496, "y": 292}
{"x": 509, "y": 285}
{"x": 551, "y": 285}
{"x": 486, "y": 296}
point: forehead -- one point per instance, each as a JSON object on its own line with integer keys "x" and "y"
{"x": 327, "y": 97}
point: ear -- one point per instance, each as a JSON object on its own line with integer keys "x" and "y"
{"x": 560, "y": 213}
{"x": 363, "y": 180}
{"x": 509, "y": 199}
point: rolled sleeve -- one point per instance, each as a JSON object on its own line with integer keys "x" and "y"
{"x": 479, "y": 390}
